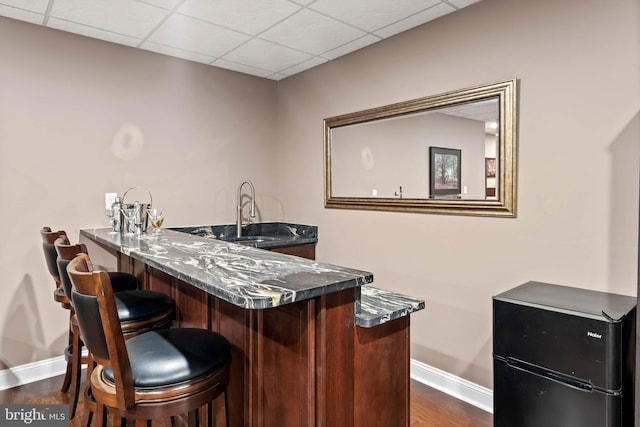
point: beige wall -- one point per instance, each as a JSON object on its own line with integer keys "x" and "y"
{"x": 73, "y": 112}
{"x": 578, "y": 66}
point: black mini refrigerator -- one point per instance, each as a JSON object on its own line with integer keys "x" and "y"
{"x": 563, "y": 357}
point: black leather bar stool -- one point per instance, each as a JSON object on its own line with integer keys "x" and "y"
{"x": 157, "y": 374}
{"x": 138, "y": 311}
{"x": 121, "y": 281}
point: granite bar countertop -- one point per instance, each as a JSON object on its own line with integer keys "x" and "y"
{"x": 378, "y": 306}
{"x": 275, "y": 234}
{"x": 242, "y": 275}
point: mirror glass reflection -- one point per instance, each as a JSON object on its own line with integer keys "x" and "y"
{"x": 449, "y": 153}
{"x": 391, "y": 158}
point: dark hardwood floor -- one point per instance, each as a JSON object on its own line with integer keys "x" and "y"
{"x": 429, "y": 407}
{"x": 433, "y": 408}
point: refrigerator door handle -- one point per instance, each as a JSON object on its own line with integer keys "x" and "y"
{"x": 546, "y": 373}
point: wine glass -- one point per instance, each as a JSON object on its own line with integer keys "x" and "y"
{"x": 111, "y": 214}
{"x": 155, "y": 218}
{"x": 130, "y": 214}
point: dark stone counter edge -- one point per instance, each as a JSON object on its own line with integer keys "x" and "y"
{"x": 400, "y": 306}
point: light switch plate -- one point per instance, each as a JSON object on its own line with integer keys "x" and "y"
{"x": 109, "y": 198}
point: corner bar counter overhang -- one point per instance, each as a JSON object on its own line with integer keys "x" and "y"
{"x": 311, "y": 344}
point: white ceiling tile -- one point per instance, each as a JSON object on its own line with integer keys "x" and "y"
{"x": 165, "y": 4}
{"x": 197, "y": 36}
{"x": 92, "y": 32}
{"x": 312, "y": 32}
{"x": 463, "y": 3}
{"x": 267, "y": 56}
{"x": 38, "y": 6}
{"x": 127, "y": 17}
{"x": 352, "y": 46}
{"x": 248, "y": 16}
{"x": 178, "y": 53}
{"x": 21, "y": 15}
{"x": 242, "y": 68}
{"x": 371, "y": 15}
{"x": 313, "y": 62}
{"x": 415, "y": 20}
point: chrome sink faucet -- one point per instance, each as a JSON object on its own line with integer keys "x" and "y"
{"x": 239, "y": 207}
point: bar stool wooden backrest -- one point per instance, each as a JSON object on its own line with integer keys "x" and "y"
{"x": 157, "y": 374}
{"x": 50, "y": 257}
{"x": 96, "y": 313}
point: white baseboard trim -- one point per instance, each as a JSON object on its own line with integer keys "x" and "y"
{"x": 31, "y": 372}
{"x": 34, "y": 371}
{"x": 452, "y": 385}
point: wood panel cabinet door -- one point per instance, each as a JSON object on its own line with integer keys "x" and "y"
{"x": 304, "y": 251}
{"x": 382, "y": 396}
{"x": 283, "y": 391}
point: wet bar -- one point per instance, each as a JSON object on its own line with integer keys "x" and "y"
{"x": 313, "y": 344}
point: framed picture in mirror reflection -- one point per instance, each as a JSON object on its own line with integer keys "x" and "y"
{"x": 445, "y": 168}
{"x": 490, "y": 167}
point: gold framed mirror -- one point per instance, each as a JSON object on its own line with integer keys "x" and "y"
{"x": 452, "y": 153}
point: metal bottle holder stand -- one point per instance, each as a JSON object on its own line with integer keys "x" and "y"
{"x": 141, "y": 217}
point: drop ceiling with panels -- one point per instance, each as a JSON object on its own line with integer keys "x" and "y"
{"x": 273, "y": 39}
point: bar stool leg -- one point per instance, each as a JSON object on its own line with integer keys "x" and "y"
{"x": 76, "y": 373}
{"x": 66, "y": 383}
{"x": 101, "y": 415}
{"x": 89, "y": 401}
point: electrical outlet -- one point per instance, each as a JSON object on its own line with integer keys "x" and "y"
{"x": 109, "y": 198}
